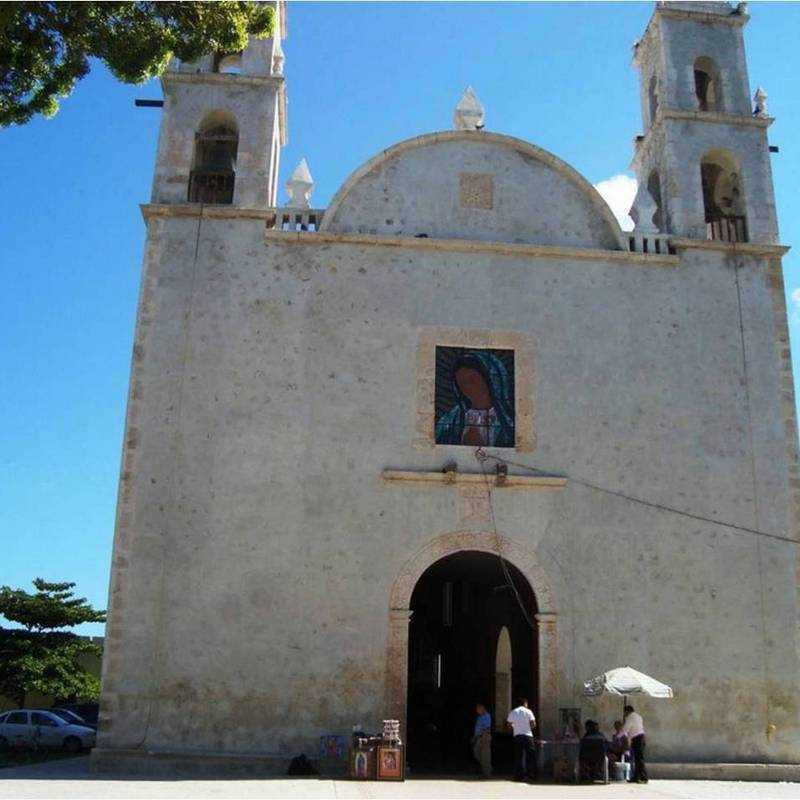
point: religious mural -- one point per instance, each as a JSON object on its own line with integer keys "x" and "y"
{"x": 474, "y": 397}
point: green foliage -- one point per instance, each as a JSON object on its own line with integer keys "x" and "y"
{"x": 53, "y": 606}
{"x": 45, "y": 47}
{"x": 40, "y": 658}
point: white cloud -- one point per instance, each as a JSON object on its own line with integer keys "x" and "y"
{"x": 795, "y": 295}
{"x": 619, "y": 191}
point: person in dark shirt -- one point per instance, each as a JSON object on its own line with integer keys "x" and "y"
{"x": 592, "y": 752}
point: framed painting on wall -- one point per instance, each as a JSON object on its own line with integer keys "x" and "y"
{"x": 390, "y": 763}
{"x": 474, "y": 397}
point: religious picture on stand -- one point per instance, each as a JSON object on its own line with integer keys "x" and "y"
{"x": 474, "y": 397}
{"x": 390, "y": 763}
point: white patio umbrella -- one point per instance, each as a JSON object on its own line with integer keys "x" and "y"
{"x": 624, "y": 681}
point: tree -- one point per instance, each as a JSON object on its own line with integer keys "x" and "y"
{"x": 41, "y": 658}
{"x": 45, "y": 47}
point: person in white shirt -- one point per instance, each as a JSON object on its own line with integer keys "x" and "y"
{"x": 633, "y": 726}
{"x": 523, "y": 723}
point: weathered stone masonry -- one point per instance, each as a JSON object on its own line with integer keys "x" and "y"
{"x": 281, "y": 490}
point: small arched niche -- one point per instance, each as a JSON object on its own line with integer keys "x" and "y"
{"x": 723, "y": 197}
{"x": 213, "y": 174}
{"x": 707, "y": 86}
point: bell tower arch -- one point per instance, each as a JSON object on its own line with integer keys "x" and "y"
{"x": 695, "y": 98}
{"x": 223, "y": 126}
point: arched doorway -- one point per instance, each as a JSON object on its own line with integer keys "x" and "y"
{"x": 472, "y": 638}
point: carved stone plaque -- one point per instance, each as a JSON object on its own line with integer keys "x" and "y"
{"x": 476, "y": 190}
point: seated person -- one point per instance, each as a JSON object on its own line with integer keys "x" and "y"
{"x": 619, "y": 747}
{"x": 593, "y": 764}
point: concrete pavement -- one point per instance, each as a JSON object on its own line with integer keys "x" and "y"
{"x": 71, "y": 778}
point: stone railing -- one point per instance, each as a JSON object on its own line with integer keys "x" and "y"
{"x": 297, "y": 219}
{"x": 654, "y": 243}
{"x": 214, "y": 187}
{"x": 727, "y": 229}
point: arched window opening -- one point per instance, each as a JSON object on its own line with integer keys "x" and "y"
{"x": 228, "y": 63}
{"x": 502, "y": 679}
{"x": 707, "y": 85}
{"x": 214, "y": 169}
{"x": 654, "y": 187}
{"x": 652, "y": 96}
{"x": 723, "y": 198}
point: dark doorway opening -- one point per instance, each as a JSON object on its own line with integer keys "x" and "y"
{"x": 463, "y": 607}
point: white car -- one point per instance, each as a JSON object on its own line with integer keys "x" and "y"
{"x": 31, "y": 728}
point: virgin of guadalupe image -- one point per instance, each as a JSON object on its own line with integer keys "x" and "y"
{"x": 481, "y": 414}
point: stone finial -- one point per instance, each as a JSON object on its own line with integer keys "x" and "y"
{"x": 277, "y": 59}
{"x": 643, "y": 210}
{"x": 741, "y": 9}
{"x": 300, "y": 186}
{"x": 469, "y": 114}
{"x": 760, "y": 100}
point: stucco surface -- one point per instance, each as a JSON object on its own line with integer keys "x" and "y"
{"x": 259, "y": 547}
{"x": 262, "y": 562}
{"x": 435, "y": 186}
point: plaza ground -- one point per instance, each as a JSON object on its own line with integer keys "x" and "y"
{"x": 71, "y": 779}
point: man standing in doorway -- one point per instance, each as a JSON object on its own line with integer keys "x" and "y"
{"x": 523, "y": 723}
{"x": 482, "y": 740}
{"x": 633, "y": 726}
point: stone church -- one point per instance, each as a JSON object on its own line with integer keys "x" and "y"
{"x": 457, "y": 436}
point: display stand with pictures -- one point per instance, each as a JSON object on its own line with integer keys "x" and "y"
{"x": 391, "y": 758}
{"x": 378, "y": 757}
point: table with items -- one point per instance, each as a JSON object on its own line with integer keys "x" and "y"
{"x": 378, "y": 757}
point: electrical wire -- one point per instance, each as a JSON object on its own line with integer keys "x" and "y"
{"x": 639, "y": 500}
{"x": 482, "y": 456}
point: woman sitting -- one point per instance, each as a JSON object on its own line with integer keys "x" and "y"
{"x": 619, "y": 748}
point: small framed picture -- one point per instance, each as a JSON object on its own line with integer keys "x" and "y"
{"x": 390, "y": 763}
{"x": 363, "y": 764}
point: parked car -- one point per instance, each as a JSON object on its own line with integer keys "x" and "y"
{"x": 31, "y": 728}
{"x": 70, "y": 716}
{"x": 86, "y": 711}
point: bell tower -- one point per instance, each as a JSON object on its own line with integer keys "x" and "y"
{"x": 223, "y": 126}
{"x": 704, "y": 156}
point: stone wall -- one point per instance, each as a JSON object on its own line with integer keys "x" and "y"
{"x": 258, "y": 546}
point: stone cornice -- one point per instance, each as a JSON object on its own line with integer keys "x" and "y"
{"x": 272, "y": 236}
{"x": 439, "y": 478}
{"x": 733, "y": 18}
{"x": 643, "y": 143}
{"x": 223, "y": 78}
{"x": 474, "y": 246}
{"x": 202, "y": 210}
{"x": 714, "y": 116}
{"x": 745, "y": 248}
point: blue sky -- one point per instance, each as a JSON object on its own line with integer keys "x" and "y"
{"x": 360, "y": 77}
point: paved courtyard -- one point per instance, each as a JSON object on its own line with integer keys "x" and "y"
{"x": 71, "y": 779}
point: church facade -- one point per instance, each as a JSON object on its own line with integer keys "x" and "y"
{"x": 457, "y": 437}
